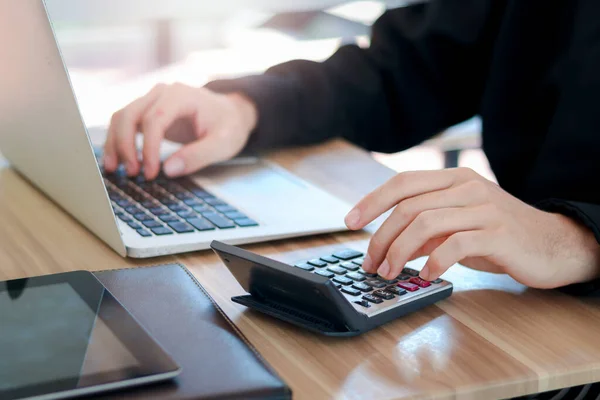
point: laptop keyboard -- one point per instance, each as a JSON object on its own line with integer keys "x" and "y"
{"x": 170, "y": 206}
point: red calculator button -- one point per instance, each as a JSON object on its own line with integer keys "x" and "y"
{"x": 411, "y": 287}
{"x": 420, "y": 282}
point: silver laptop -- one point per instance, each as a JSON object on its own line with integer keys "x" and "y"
{"x": 44, "y": 137}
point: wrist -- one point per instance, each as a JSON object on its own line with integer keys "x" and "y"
{"x": 247, "y": 111}
{"x": 580, "y": 261}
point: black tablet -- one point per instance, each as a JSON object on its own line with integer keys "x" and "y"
{"x": 65, "y": 335}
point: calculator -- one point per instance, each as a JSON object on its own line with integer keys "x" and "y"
{"x": 331, "y": 295}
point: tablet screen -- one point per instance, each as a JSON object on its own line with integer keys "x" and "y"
{"x": 68, "y": 335}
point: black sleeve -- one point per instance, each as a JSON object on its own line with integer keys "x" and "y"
{"x": 423, "y": 72}
{"x": 589, "y": 215}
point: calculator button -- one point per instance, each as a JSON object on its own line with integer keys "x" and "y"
{"x": 349, "y": 266}
{"x": 343, "y": 280}
{"x": 403, "y": 277}
{"x": 420, "y": 282}
{"x": 383, "y": 294}
{"x": 375, "y": 283}
{"x": 305, "y": 267}
{"x": 388, "y": 281}
{"x": 351, "y": 291}
{"x": 358, "y": 262}
{"x": 356, "y": 276}
{"x": 362, "y": 286}
{"x": 372, "y": 299}
{"x": 411, "y": 287}
{"x": 348, "y": 254}
{"x": 396, "y": 290}
{"x": 365, "y": 273}
{"x": 363, "y": 303}
{"x": 330, "y": 260}
{"x": 337, "y": 270}
{"x": 437, "y": 281}
{"x": 318, "y": 263}
{"x": 324, "y": 273}
{"x": 410, "y": 271}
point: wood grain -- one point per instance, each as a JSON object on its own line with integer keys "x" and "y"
{"x": 492, "y": 339}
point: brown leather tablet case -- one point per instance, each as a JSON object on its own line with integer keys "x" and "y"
{"x": 217, "y": 360}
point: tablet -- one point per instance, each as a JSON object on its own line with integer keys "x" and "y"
{"x": 65, "y": 335}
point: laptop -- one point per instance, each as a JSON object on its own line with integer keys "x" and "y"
{"x": 45, "y": 139}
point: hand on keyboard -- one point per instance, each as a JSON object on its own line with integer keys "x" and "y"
{"x": 215, "y": 127}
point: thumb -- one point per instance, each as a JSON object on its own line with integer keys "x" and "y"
{"x": 195, "y": 156}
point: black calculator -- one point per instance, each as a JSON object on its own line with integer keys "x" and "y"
{"x": 330, "y": 295}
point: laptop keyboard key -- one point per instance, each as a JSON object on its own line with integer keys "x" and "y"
{"x": 351, "y": 291}
{"x": 158, "y": 211}
{"x": 213, "y": 201}
{"x": 143, "y": 233}
{"x": 219, "y": 221}
{"x": 135, "y": 226}
{"x": 343, "y": 280}
{"x": 151, "y": 224}
{"x": 225, "y": 208}
{"x": 201, "y": 224}
{"x": 347, "y": 254}
{"x": 235, "y": 215}
{"x": 142, "y": 217}
{"x": 162, "y": 231}
{"x": 187, "y": 214}
{"x": 168, "y": 218}
{"x": 202, "y": 208}
{"x": 181, "y": 227}
{"x": 133, "y": 210}
{"x": 124, "y": 218}
{"x": 245, "y": 222}
{"x": 325, "y": 273}
{"x": 177, "y": 207}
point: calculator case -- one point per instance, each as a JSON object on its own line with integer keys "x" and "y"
{"x": 302, "y": 298}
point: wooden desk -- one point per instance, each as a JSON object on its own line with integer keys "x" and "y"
{"x": 491, "y": 339}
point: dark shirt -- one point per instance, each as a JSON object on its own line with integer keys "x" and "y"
{"x": 530, "y": 69}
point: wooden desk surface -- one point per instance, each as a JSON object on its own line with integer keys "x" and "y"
{"x": 492, "y": 339}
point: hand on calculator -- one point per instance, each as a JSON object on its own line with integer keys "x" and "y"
{"x": 456, "y": 215}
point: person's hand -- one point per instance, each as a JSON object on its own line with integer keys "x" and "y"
{"x": 457, "y": 216}
{"x": 215, "y": 127}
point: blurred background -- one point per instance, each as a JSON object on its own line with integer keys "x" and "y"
{"x": 116, "y": 50}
